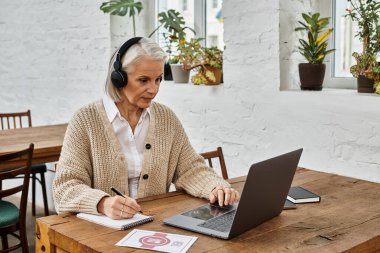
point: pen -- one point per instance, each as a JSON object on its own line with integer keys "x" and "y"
{"x": 119, "y": 193}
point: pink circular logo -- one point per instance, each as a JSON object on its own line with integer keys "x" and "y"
{"x": 151, "y": 241}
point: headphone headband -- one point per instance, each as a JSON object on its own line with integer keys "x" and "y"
{"x": 124, "y": 48}
{"x": 119, "y": 77}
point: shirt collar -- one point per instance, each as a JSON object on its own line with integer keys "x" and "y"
{"x": 112, "y": 111}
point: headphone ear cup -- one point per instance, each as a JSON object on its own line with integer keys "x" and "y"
{"x": 119, "y": 78}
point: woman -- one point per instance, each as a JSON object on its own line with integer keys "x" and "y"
{"x": 128, "y": 142}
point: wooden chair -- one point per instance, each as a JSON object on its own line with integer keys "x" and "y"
{"x": 20, "y": 120}
{"x": 12, "y": 218}
{"x": 218, "y": 153}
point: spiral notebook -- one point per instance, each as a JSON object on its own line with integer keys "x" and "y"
{"x": 123, "y": 224}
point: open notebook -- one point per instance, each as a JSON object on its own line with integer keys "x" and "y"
{"x": 123, "y": 224}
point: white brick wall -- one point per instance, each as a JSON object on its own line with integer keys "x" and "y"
{"x": 52, "y": 59}
{"x": 252, "y": 120}
{"x": 54, "y": 56}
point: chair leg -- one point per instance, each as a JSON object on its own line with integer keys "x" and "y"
{"x": 33, "y": 194}
{"x": 4, "y": 241}
{"x": 23, "y": 238}
{"x": 44, "y": 194}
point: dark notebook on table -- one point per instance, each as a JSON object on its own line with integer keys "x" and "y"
{"x": 298, "y": 195}
{"x": 262, "y": 198}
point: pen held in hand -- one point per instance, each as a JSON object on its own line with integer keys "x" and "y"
{"x": 119, "y": 193}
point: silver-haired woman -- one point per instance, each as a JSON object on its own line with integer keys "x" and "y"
{"x": 129, "y": 142}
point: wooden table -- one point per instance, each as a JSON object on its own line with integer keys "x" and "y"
{"x": 346, "y": 220}
{"x": 47, "y": 142}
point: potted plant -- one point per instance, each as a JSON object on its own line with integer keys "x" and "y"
{"x": 314, "y": 49}
{"x": 366, "y": 14}
{"x": 174, "y": 24}
{"x": 375, "y": 75}
{"x": 363, "y": 71}
{"x": 123, "y": 7}
{"x": 208, "y": 62}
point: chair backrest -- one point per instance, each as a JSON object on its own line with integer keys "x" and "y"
{"x": 218, "y": 153}
{"x": 24, "y": 170}
{"x": 15, "y": 120}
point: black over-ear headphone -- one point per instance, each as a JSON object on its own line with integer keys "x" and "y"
{"x": 119, "y": 77}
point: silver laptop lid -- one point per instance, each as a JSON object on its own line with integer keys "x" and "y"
{"x": 265, "y": 191}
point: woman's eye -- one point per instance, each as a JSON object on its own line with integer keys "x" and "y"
{"x": 144, "y": 80}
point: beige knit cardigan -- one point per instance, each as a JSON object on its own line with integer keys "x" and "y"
{"x": 92, "y": 161}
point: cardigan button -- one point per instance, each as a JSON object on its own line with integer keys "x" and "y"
{"x": 148, "y": 146}
{"x": 145, "y": 176}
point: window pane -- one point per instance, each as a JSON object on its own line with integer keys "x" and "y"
{"x": 214, "y": 26}
{"x": 185, "y": 8}
{"x": 345, "y": 41}
{"x": 184, "y": 5}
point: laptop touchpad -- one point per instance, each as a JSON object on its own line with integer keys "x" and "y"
{"x": 209, "y": 211}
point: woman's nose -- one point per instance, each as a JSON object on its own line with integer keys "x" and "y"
{"x": 153, "y": 87}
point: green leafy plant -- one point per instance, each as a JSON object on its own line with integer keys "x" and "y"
{"x": 122, "y": 8}
{"x": 376, "y": 78}
{"x": 364, "y": 64}
{"x": 367, "y": 14}
{"x": 375, "y": 75}
{"x": 315, "y": 48}
{"x": 203, "y": 59}
{"x": 175, "y": 31}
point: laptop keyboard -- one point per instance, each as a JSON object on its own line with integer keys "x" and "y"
{"x": 221, "y": 223}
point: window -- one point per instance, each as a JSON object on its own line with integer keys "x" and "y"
{"x": 184, "y": 5}
{"x": 345, "y": 41}
{"x": 338, "y": 63}
{"x": 212, "y": 40}
{"x": 215, "y": 4}
{"x": 201, "y": 15}
{"x": 214, "y": 25}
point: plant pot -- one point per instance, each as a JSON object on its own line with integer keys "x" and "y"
{"x": 179, "y": 75}
{"x": 167, "y": 72}
{"x": 311, "y": 75}
{"x": 218, "y": 75}
{"x": 365, "y": 85}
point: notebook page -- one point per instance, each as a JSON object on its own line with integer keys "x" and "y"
{"x": 137, "y": 219}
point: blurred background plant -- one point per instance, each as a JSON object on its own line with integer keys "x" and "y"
{"x": 315, "y": 48}
{"x": 175, "y": 31}
{"x": 122, "y": 8}
{"x": 208, "y": 62}
{"x": 366, "y": 14}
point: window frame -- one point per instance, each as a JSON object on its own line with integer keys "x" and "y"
{"x": 200, "y": 20}
{"x": 330, "y": 80}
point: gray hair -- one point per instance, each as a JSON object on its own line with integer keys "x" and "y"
{"x": 145, "y": 47}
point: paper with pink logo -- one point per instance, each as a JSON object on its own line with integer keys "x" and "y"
{"x": 158, "y": 241}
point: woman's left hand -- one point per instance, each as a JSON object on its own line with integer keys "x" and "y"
{"x": 224, "y": 195}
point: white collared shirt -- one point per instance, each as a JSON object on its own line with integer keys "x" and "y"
{"x": 132, "y": 144}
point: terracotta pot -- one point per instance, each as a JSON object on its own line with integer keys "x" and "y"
{"x": 218, "y": 75}
{"x": 311, "y": 75}
{"x": 365, "y": 85}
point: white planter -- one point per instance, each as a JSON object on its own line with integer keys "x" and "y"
{"x": 179, "y": 75}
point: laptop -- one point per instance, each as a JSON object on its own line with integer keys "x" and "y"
{"x": 262, "y": 198}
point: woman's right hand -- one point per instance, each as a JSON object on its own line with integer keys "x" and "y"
{"x": 118, "y": 207}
